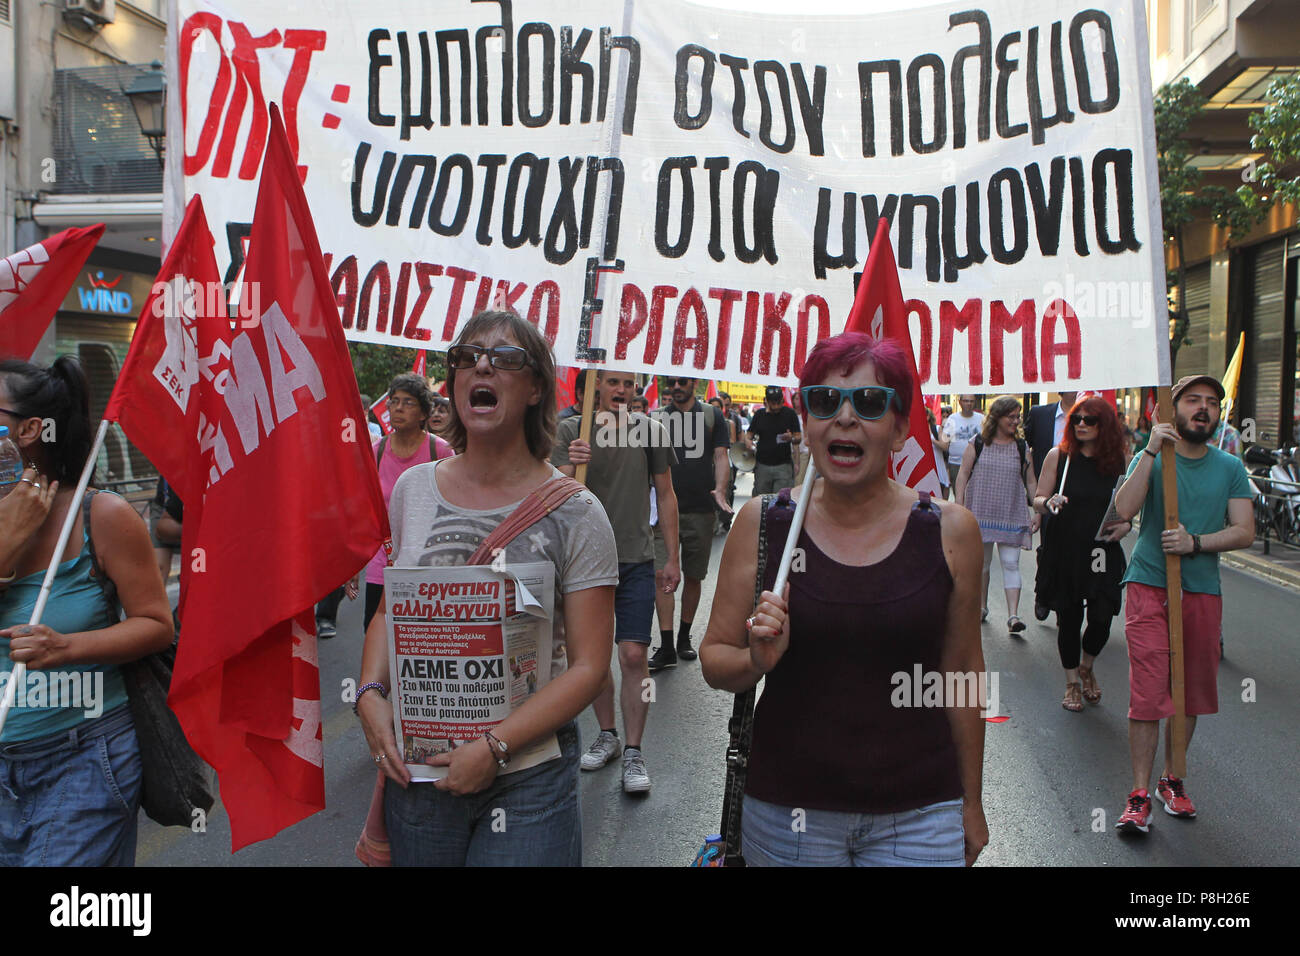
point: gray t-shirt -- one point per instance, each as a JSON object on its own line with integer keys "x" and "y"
{"x": 576, "y": 538}
{"x": 619, "y": 475}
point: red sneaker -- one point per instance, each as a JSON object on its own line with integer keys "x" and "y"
{"x": 1137, "y": 815}
{"x": 1174, "y": 797}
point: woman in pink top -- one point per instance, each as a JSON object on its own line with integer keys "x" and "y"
{"x": 410, "y": 406}
{"x": 410, "y": 403}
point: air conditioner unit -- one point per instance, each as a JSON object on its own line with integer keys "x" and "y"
{"x": 97, "y": 11}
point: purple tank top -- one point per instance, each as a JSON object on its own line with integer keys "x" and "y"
{"x": 826, "y": 733}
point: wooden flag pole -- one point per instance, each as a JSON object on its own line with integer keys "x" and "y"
{"x": 584, "y": 431}
{"x": 1174, "y": 592}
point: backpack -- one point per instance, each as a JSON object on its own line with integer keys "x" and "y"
{"x": 383, "y": 443}
{"x": 1020, "y": 445}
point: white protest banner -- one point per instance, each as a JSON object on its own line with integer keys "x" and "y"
{"x": 477, "y": 153}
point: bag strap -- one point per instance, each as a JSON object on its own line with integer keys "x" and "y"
{"x": 532, "y": 509}
{"x": 741, "y": 726}
{"x": 379, "y": 454}
{"x": 112, "y": 608}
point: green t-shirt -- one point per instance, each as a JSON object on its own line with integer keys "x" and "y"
{"x": 619, "y": 475}
{"x": 1204, "y": 487}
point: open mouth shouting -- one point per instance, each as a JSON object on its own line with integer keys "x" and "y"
{"x": 845, "y": 454}
{"x": 482, "y": 396}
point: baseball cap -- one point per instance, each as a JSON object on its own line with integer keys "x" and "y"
{"x": 1187, "y": 381}
{"x": 774, "y": 393}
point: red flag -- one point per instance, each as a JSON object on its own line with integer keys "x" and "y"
{"x": 711, "y": 391}
{"x": 157, "y": 398}
{"x": 1149, "y": 405}
{"x": 418, "y": 367}
{"x": 651, "y": 394}
{"x": 380, "y": 408}
{"x": 33, "y": 282}
{"x": 292, "y": 498}
{"x": 878, "y": 310}
{"x": 566, "y": 386}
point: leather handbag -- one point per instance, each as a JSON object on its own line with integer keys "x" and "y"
{"x": 176, "y": 780}
{"x": 741, "y": 727}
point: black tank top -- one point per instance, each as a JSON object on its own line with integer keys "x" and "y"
{"x": 827, "y": 735}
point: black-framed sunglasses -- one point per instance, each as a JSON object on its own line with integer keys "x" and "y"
{"x": 10, "y": 411}
{"x": 509, "y": 358}
{"x": 674, "y": 382}
{"x": 1088, "y": 420}
{"x": 869, "y": 401}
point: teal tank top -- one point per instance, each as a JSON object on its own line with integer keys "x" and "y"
{"x": 52, "y": 701}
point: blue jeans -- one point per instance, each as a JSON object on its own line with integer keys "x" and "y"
{"x": 779, "y": 836}
{"x": 71, "y": 799}
{"x": 528, "y": 818}
{"x": 634, "y": 602}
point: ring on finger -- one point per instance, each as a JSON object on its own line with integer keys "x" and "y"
{"x": 749, "y": 622}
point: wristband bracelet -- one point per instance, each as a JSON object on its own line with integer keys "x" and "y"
{"x": 1148, "y": 451}
{"x": 373, "y": 685}
{"x": 1196, "y": 544}
{"x": 500, "y": 752}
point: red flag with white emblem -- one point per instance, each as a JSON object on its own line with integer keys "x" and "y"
{"x": 292, "y": 497}
{"x": 33, "y": 282}
{"x": 878, "y": 310}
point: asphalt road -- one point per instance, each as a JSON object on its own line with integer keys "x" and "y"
{"x": 1054, "y": 781}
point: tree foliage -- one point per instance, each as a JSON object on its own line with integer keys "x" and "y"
{"x": 375, "y": 366}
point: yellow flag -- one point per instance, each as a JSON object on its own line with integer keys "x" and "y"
{"x": 1233, "y": 375}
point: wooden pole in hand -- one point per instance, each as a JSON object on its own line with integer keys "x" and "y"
{"x": 584, "y": 431}
{"x": 1174, "y": 592}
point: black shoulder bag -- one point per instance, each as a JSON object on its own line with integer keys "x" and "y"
{"x": 176, "y": 781}
{"x": 741, "y": 726}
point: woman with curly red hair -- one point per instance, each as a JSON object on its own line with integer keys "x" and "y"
{"x": 1078, "y": 481}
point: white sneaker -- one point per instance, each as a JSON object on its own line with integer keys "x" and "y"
{"x": 635, "y": 778}
{"x": 603, "y": 749}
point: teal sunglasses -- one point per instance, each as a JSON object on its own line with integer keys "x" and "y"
{"x": 869, "y": 401}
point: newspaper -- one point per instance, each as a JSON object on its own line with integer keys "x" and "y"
{"x": 1112, "y": 517}
{"x": 466, "y": 646}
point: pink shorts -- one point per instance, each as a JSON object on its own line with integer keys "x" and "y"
{"x": 1146, "y": 626}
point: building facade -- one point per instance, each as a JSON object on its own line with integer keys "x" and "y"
{"x": 72, "y": 153}
{"x": 1232, "y": 50}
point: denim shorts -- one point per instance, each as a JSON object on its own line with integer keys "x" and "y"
{"x": 528, "y": 818}
{"x": 634, "y": 602}
{"x": 772, "y": 835}
{"x": 71, "y": 799}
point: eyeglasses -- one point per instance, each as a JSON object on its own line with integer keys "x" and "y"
{"x": 402, "y": 403}
{"x": 679, "y": 381}
{"x": 10, "y": 411}
{"x": 869, "y": 401}
{"x": 509, "y": 358}
{"x": 1088, "y": 420}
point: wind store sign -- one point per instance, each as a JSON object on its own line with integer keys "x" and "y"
{"x": 107, "y": 292}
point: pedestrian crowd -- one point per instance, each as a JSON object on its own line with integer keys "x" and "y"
{"x": 889, "y": 580}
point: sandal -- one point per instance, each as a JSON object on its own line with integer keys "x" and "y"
{"x": 1015, "y": 625}
{"x": 1072, "y": 701}
{"x": 1091, "y": 692}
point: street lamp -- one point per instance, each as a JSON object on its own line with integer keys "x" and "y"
{"x": 148, "y": 96}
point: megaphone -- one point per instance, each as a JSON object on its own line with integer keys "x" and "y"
{"x": 742, "y": 458}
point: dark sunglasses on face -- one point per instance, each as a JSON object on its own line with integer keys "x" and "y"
{"x": 509, "y": 358}
{"x": 674, "y": 382}
{"x": 1088, "y": 420}
{"x": 869, "y": 401}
